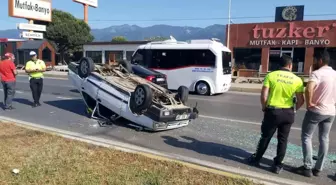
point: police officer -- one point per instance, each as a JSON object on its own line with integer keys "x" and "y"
{"x": 277, "y": 100}
{"x": 35, "y": 69}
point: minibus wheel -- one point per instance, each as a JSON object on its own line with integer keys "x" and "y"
{"x": 202, "y": 88}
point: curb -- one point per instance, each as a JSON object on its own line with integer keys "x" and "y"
{"x": 244, "y": 89}
{"x": 194, "y": 163}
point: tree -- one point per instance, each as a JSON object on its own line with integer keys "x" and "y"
{"x": 119, "y": 39}
{"x": 156, "y": 38}
{"x": 67, "y": 32}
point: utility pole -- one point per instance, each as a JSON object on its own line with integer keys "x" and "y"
{"x": 30, "y": 21}
{"x": 228, "y": 30}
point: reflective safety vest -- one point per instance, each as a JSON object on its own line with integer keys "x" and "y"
{"x": 33, "y": 65}
{"x": 282, "y": 85}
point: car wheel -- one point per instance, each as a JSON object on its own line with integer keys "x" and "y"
{"x": 202, "y": 88}
{"x": 182, "y": 94}
{"x": 86, "y": 67}
{"x": 126, "y": 67}
{"x": 141, "y": 98}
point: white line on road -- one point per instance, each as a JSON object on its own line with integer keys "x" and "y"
{"x": 210, "y": 117}
{"x": 63, "y": 98}
{"x": 20, "y": 92}
{"x": 65, "y": 77}
{"x": 202, "y": 116}
{"x": 238, "y": 121}
{"x": 46, "y": 84}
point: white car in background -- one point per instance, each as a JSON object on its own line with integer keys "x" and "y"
{"x": 112, "y": 92}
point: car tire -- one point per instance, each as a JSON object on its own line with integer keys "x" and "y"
{"x": 182, "y": 94}
{"x": 86, "y": 67}
{"x": 202, "y": 88}
{"x": 127, "y": 67}
{"x": 141, "y": 99}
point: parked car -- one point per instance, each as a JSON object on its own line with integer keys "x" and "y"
{"x": 112, "y": 92}
{"x": 150, "y": 75}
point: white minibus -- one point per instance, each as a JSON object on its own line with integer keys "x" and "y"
{"x": 204, "y": 66}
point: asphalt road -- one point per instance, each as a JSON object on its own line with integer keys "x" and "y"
{"x": 226, "y": 133}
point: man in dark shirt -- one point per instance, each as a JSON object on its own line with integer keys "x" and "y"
{"x": 8, "y": 73}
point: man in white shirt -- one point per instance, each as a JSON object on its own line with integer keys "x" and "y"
{"x": 320, "y": 101}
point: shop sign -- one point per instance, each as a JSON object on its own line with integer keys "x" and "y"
{"x": 31, "y": 35}
{"x": 30, "y": 9}
{"x": 93, "y": 3}
{"x": 32, "y": 27}
{"x": 291, "y": 35}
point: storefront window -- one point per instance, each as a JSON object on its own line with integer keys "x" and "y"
{"x": 299, "y": 59}
{"x": 95, "y": 55}
{"x": 297, "y": 54}
{"x": 113, "y": 56}
{"x": 247, "y": 58}
{"x": 332, "y": 53}
{"x": 129, "y": 55}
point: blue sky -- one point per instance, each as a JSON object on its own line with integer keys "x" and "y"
{"x": 150, "y": 12}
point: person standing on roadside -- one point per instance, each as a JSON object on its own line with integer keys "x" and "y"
{"x": 320, "y": 101}
{"x": 8, "y": 79}
{"x": 35, "y": 69}
{"x": 277, "y": 101}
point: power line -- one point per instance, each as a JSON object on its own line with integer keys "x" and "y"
{"x": 197, "y": 19}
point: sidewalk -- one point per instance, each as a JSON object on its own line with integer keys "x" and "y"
{"x": 246, "y": 87}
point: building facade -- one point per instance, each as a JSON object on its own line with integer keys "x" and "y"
{"x": 105, "y": 52}
{"x": 259, "y": 46}
{"x": 21, "y": 48}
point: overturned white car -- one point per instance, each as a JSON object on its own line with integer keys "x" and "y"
{"x": 112, "y": 92}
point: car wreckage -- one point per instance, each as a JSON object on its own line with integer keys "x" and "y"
{"x": 113, "y": 91}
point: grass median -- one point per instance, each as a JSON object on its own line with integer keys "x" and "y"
{"x": 44, "y": 158}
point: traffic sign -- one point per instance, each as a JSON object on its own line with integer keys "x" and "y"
{"x": 32, "y": 27}
{"x": 31, "y": 35}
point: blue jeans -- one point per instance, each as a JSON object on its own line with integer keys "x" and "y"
{"x": 310, "y": 122}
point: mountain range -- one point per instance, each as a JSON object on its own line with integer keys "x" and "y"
{"x": 135, "y": 33}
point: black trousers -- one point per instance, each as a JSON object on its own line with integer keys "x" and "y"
{"x": 36, "y": 86}
{"x": 275, "y": 119}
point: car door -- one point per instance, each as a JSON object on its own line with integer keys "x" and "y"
{"x": 75, "y": 80}
{"x": 110, "y": 97}
{"x": 90, "y": 87}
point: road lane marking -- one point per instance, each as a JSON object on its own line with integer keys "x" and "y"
{"x": 47, "y": 84}
{"x": 238, "y": 121}
{"x": 210, "y": 117}
{"x": 19, "y": 92}
{"x": 65, "y": 77}
{"x": 63, "y": 98}
{"x": 202, "y": 116}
